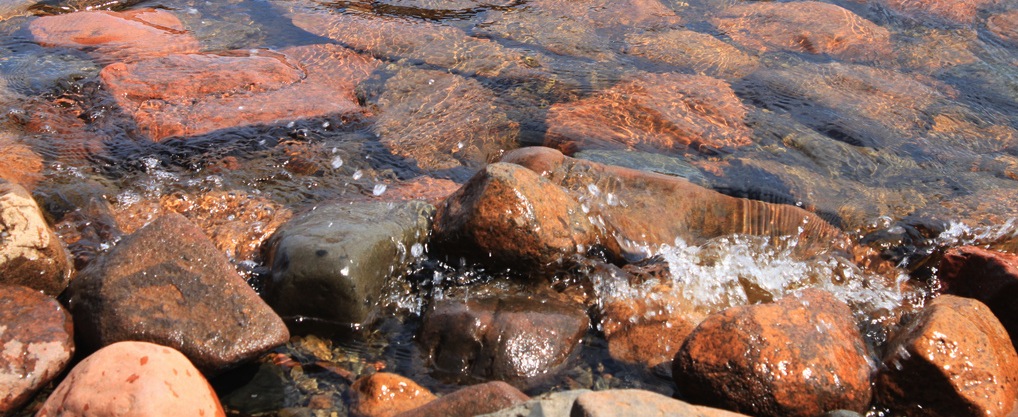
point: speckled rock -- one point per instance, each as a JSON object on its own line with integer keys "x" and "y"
{"x": 30, "y": 253}
{"x": 634, "y": 402}
{"x": 954, "y": 359}
{"x": 133, "y": 379}
{"x": 385, "y": 395}
{"x": 471, "y": 401}
{"x": 801, "y": 355}
{"x": 36, "y": 343}
{"x": 112, "y": 36}
{"x": 167, "y": 283}
{"x": 985, "y": 275}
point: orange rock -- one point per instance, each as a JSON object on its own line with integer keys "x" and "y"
{"x": 608, "y": 13}
{"x": 18, "y": 163}
{"x": 652, "y": 112}
{"x": 953, "y": 11}
{"x": 1005, "y": 26}
{"x": 474, "y": 400}
{"x": 985, "y": 275}
{"x": 113, "y": 36}
{"x": 804, "y": 26}
{"x": 691, "y": 50}
{"x": 954, "y": 359}
{"x": 385, "y": 395}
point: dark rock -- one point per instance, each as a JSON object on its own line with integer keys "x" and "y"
{"x": 471, "y": 401}
{"x": 112, "y": 36}
{"x": 954, "y": 359}
{"x": 799, "y": 356}
{"x": 985, "y": 275}
{"x": 332, "y": 262}
{"x": 36, "y": 343}
{"x": 633, "y": 402}
{"x": 30, "y": 253}
{"x": 516, "y": 339}
{"x": 133, "y": 379}
{"x": 168, "y": 284}
{"x": 694, "y": 51}
{"x": 385, "y": 395}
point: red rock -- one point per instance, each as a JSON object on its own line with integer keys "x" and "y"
{"x": 804, "y": 26}
{"x": 127, "y": 36}
{"x": 36, "y": 343}
{"x": 193, "y": 94}
{"x": 133, "y": 379}
{"x": 471, "y": 401}
{"x": 953, "y": 11}
{"x": 954, "y": 359}
{"x": 385, "y": 395}
{"x": 30, "y": 253}
{"x": 985, "y": 275}
{"x": 698, "y": 52}
{"x": 1005, "y": 26}
{"x": 18, "y": 163}
{"x": 799, "y": 356}
{"x": 652, "y": 112}
{"x": 633, "y": 402}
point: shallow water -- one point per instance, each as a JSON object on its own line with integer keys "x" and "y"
{"x": 902, "y": 131}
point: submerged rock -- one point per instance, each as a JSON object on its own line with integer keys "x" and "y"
{"x": 633, "y": 402}
{"x": 133, "y": 378}
{"x": 19, "y": 164}
{"x": 385, "y": 395}
{"x": 30, "y": 253}
{"x": 167, "y": 283}
{"x": 693, "y": 51}
{"x": 470, "y": 401}
{"x": 799, "y": 356}
{"x": 36, "y": 343}
{"x": 116, "y": 36}
{"x": 332, "y": 262}
{"x": 985, "y": 275}
{"x": 1005, "y": 26}
{"x": 954, "y": 359}
{"x": 963, "y": 12}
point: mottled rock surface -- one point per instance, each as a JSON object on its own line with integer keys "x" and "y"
{"x": 471, "y": 401}
{"x": 963, "y": 12}
{"x": 985, "y": 275}
{"x": 385, "y": 395}
{"x": 699, "y": 52}
{"x": 799, "y": 356}
{"x": 112, "y": 36}
{"x": 168, "y": 284}
{"x": 633, "y": 402}
{"x": 30, "y": 253}
{"x": 954, "y": 359}
{"x": 133, "y": 379}
{"x": 18, "y": 162}
{"x": 36, "y": 343}
{"x": 1005, "y": 26}
{"x": 332, "y": 262}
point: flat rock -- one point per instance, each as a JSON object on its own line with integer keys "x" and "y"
{"x": 634, "y": 402}
{"x": 960, "y": 12}
{"x": 113, "y": 36}
{"x": 693, "y": 51}
{"x": 801, "y": 355}
{"x": 985, "y": 275}
{"x": 652, "y": 112}
{"x": 133, "y": 379}
{"x": 36, "y": 343}
{"x": 471, "y": 401}
{"x": 30, "y": 253}
{"x": 167, "y": 283}
{"x": 332, "y": 262}
{"x": 1005, "y": 26}
{"x": 517, "y": 339}
{"x": 804, "y": 26}
{"x": 954, "y": 359}
{"x": 385, "y": 395}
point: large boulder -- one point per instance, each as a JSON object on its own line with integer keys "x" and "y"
{"x": 112, "y": 36}
{"x": 985, "y": 275}
{"x": 133, "y": 379}
{"x": 799, "y": 356}
{"x": 954, "y": 359}
{"x": 332, "y": 262}
{"x": 36, "y": 343}
{"x": 168, "y": 284}
{"x": 30, "y": 253}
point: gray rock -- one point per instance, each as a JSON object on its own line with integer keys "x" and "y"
{"x": 332, "y": 262}
{"x": 633, "y": 402}
{"x": 30, "y": 253}
{"x": 552, "y": 404}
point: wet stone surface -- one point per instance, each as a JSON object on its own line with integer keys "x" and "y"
{"x": 30, "y": 253}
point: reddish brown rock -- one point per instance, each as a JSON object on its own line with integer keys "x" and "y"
{"x": 954, "y": 359}
{"x": 18, "y": 163}
{"x": 167, "y": 283}
{"x": 471, "y": 401}
{"x": 633, "y": 402}
{"x": 694, "y": 51}
{"x": 985, "y": 275}
{"x": 509, "y": 338}
{"x": 385, "y": 395}
{"x": 30, "y": 253}
{"x": 1005, "y": 26}
{"x": 609, "y": 13}
{"x": 652, "y": 112}
{"x": 804, "y": 26}
{"x": 952, "y": 11}
{"x": 799, "y": 356}
{"x": 36, "y": 343}
{"x": 133, "y": 379}
{"x": 124, "y": 36}
{"x": 193, "y": 94}
{"x": 431, "y": 190}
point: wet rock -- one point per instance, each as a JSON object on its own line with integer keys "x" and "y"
{"x": 385, "y": 395}
{"x": 634, "y": 402}
{"x": 167, "y": 283}
{"x": 36, "y": 343}
{"x": 471, "y": 401}
{"x": 517, "y": 339}
{"x": 650, "y": 330}
{"x": 963, "y": 12}
{"x": 954, "y": 359}
{"x": 1005, "y": 26}
{"x": 116, "y": 36}
{"x": 332, "y": 262}
{"x": 133, "y": 378}
{"x": 14, "y": 8}
{"x": 30, "y": 253}
{"x": 799, "y": 356}
{"x": 18, "y": 163}
{"x": 985, "y": 275}
{"x": 676, "y": 166}
{"x": 552, "y": 404}
{"x": 571, "y": 35}
{"x": 193, "y": 94}
{"x": 516, "y": 217}
{"x": 931, "y": 50}
{"x": 652, "y": 112}
{"x": 692, "y": 51}
{"x": 804, "y": 26}
{"x": 432, "y": 190}
{"x": 443, "y": 121}
{"x": 608, "y": 13}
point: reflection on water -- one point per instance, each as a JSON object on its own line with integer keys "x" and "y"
{"x": 898, "y": 125}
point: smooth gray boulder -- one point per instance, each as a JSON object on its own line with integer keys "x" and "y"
{"x": 332, "y": 262}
